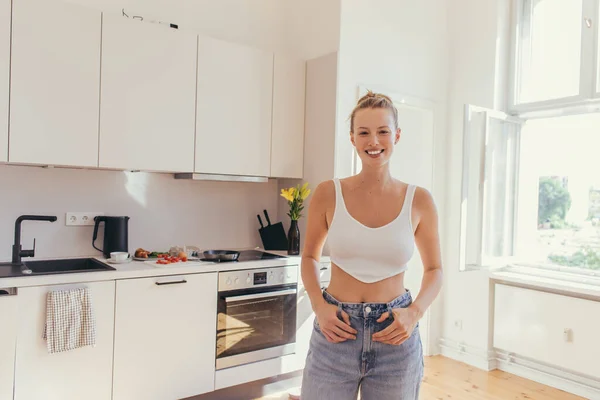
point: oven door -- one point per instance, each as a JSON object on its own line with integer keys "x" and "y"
{"x": 255, "y": 324}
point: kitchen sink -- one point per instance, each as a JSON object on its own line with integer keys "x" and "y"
{"x": 63, "y": 266}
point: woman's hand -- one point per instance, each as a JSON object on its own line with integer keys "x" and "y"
{"x": 405, "y": 320}
{"x": 334, "y": 329}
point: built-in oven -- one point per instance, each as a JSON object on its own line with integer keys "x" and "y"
{"x": 256, "y": 315}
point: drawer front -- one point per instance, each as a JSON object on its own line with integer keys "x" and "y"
{"x": 533, "y": 324}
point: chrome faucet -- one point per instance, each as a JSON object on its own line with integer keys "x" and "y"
{"x": 17, "y": 252}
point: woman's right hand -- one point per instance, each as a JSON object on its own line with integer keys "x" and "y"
{"x": 334, "y": 329}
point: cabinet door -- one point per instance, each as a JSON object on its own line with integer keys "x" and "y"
{"x": 287, "y": 142}
{"x": 55, "y": 83}
{"x": 83, "y": 373}
{"x": 305, "y": 316}
{"x": 147, "y": 110}
{"x": 233, "y": 129}
{"x": 8, "y": 340}
{"x": 165, "y": 337}
{"x": 4, "y": 76}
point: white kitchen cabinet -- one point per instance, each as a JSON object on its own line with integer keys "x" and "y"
{"x": 550, "y": 328}
{"x": 8, "y": 340}
{"x": 165, "y": 337}
{"x": 55, "y": 83}
{"x": 287, "y": 141}
{"x": 305, "y": 316}
{"x": 82, "y": 373}
{"x": 148, "y": 96}
{"x": 235, "y": 93}
{"x": 5, "y": 6}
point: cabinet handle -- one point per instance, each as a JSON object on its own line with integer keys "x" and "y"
{"x": 8, "y": 292}
{"x": 170, "y": 283}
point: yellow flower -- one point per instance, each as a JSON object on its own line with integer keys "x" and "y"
{"x": 287, "y": 194}
{"x": 304, "y": 191}
{"x": 295, "y": 197}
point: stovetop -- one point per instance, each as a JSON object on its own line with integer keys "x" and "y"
{"x": 250, "y": 255}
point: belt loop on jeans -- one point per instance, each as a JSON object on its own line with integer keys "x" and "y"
{"x": 390, "y": 310}
{"x": 339, "y": 311}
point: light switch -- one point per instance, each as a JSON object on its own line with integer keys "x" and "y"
{"x": 567, "y": 334}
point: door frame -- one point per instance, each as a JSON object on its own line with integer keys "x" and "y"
{"x": 430, "y": 325}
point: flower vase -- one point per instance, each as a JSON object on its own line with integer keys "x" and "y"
{"x": 294, "y": 238}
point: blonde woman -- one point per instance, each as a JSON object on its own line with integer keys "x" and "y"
{"x": 365, "y": 335}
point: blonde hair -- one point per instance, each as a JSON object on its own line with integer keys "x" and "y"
{"x": 374, "y": 100}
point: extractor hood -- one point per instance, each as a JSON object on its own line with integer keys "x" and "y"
{"x": 221, "y": 177}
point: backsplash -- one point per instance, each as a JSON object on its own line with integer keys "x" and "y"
{"x": 163, "y": 211}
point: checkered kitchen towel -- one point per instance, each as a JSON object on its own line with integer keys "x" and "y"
{"x": 70, "y": 321}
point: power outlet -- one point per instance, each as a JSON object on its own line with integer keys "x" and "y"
{"x": 81, "y": 218}
{"x": 458, "y": 324}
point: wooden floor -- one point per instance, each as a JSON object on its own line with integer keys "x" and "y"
{"x": 444, "y": 379}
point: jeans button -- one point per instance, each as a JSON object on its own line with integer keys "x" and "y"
{"x": 368, "y": 309}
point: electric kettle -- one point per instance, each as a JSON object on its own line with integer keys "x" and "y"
{"x": 115, "y": 234}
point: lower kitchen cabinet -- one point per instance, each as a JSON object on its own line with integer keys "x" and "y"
{"x": 305, "y": 316}
{"x": 165, "y": 337}
{"x": 83, "y": 373}
{"x": 8, "y": 340}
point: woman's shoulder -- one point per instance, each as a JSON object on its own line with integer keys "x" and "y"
{"x": 324, "y": 192}
{"x": 423, "y": 200}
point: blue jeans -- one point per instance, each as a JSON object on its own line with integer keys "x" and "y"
{"x": 337, "y": 371}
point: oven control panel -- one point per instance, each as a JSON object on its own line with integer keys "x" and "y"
{"x": 243, "y": 279}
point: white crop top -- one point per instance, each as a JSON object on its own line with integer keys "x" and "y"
{"x": 371, "y": 254}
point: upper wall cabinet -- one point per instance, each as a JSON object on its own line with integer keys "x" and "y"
{"x": 235, "y": 93}
{"x": 55, "y": 83}
{"x": 148, "y": 94}
{"x": 287, "y": 142}
{"x": 4, "y": 76}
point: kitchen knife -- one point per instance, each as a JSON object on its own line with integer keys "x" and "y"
{"x": 267, "y": 217}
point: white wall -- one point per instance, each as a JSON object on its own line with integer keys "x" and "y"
{"x": 395, "y": 46}
{"x": 306, "y": 29}
{"x": 257, "y": 23}
{"x": 313, "y": 27}
{"x": 164, "y": 211}
{"x": 473, "y": 31}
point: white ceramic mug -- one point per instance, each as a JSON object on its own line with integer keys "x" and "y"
{"x": 119, "y": 256}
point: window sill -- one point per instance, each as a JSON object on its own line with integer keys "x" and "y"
{"x": 550, "y": 281}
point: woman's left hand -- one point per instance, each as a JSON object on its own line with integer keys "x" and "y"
{"x": 405, "y": 320}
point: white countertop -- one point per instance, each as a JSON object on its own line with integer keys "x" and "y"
{"x": 140, "y": 269}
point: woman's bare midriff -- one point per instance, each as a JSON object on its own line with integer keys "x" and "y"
{"x": 345, "y": 288}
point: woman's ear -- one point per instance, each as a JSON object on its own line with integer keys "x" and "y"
{"x": 352, "y": 139}
{"x": 397, "y": 136}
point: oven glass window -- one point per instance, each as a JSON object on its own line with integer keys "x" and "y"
{"x": 249, "y": 322}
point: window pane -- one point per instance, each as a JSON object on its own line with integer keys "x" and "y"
{"x": 500, "y": 189}
{"x": 550, "y": 49}
{"x": 559, "y": 192}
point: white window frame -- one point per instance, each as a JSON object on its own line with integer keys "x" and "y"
{"x": 587, "y": 101}
{"x": 589, "y": 71}
{"x": 481, "y": 261}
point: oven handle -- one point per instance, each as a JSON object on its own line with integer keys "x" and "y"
{"x": 260, "y": 295}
